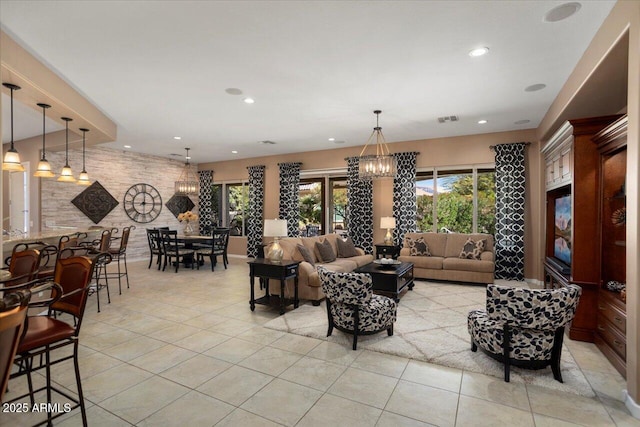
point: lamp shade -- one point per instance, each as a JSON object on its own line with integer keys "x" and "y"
{"x": 275, "y": 227}
{"x": 387, "y": 222}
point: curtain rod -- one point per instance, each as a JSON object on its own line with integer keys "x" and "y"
{"x": 492, "y": 147}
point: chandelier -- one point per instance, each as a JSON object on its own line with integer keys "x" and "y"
{"x": 382, "y": 164}
{"x": 188, "y": 183}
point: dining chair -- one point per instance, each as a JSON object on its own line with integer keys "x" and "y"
{"x": 47, "y": 333}
{"x": 218, "y": 246}
{"x": 155, "y": 246}
{"x": 13, "y": 312}
{"x": 173, "y": 250}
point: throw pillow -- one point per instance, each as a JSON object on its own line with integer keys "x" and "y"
{"x": 306, "y": 255}
{"x": 472, "y": 250}
{"x": 325, "y": 250}
{"x": 346, "y": 248}
{"x": 417, "y": 247}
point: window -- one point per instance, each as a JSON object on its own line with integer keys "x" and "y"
{"x": 236, "y": 208}
{"x": 456, "y": 201}
{"x": 311, "y": 206}
{"x": 338, "y": 205}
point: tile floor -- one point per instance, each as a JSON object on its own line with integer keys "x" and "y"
{"x": 185, "y": 350}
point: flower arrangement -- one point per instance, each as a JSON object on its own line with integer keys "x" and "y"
{"x": 187, "y": 216}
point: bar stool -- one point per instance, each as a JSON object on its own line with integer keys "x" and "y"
{"x": 121, "y": 253}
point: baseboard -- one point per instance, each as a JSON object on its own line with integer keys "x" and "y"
{"x": 535, "y": 283}
{"x": 632, "y": 406}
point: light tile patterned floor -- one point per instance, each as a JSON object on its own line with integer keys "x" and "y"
{"x": 185, "y": 350}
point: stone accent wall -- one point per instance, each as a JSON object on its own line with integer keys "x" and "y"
{"x": 117, "y": 171}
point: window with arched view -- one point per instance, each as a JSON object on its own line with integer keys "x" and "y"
{"x": 456, "y": 201}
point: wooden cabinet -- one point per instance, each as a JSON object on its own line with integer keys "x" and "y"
{"x": 611, "y": 330}
{"x": 572, "y": 163}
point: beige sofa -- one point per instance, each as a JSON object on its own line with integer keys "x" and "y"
{"x": 308, "y": 282}
{"x": 445, "y": 262}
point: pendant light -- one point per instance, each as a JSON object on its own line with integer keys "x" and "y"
{"x": 188, "y": 183}
{"x": 44, "y": 168}
{"x": 66, "y": 175}
{"x": 382, "y": 164}
{"x": 11, "y": 160}
{"x": 83, "y": 178}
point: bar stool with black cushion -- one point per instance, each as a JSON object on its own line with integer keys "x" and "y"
{"x": 13, "y": 312}
{"x": 120, "y": 253}
{"x": 173, "y": 250}
{"x": 352, "y": 307}
{"x": 45, "y": 333}
{"x": 218, "y": 246}
{"x": 155, "y": 246}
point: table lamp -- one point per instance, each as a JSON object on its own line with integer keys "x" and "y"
{"x": 388, "y": 222}
{"x": 275, "y": 228}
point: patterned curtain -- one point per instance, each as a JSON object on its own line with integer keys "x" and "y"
{"x": 205, "y": 202}
{"x": 405, "y": 207}
{"x": 360, "y": 207}
{"x": 256, "y": 209}
{"x": 289, "y": 191}
{"x": 510, "y": 209}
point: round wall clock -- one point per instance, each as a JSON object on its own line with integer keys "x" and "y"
{"x": 142, "y": 203}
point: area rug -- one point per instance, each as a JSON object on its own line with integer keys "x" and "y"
{"x": 432, "y": 327}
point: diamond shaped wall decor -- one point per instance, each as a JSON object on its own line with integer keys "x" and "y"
{"x": 178, "y": 204}
{"x": 95, "y": 202}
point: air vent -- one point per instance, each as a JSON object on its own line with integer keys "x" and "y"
{"x": 267, "y": 142}
{"x": 445, "y": 119}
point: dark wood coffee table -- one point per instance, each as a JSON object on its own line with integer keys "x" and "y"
{"x": 389, "y": 279}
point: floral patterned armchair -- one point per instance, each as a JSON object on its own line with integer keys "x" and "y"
{"x": 524, "y": 327}
{"x": 352, "y": 307}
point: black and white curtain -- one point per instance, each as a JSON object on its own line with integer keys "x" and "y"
{"x": 205, "y": 202}
{"x": 510, "y": 210}
{"x": 360, "y": 207}
{"x": 256, "y": 209}
{"x": 405, "y": 207}
{"x": 289, "y": 193}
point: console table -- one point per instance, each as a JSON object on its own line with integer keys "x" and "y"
{"x": 264, "y": 269}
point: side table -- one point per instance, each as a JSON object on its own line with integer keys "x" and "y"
{"x": 265, "y": 269}
{"x": 383, "y": 249}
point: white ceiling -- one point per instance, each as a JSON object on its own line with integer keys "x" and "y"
{"x": 317, "y": 69}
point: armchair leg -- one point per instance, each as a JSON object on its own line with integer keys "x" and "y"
{"x": 474, "y": 347}
{"x": 356, "y": 325}
{"x": 390, "y": 330}
{"x": 556, "y": 352}
{"x": 330, "y": 329}
{"x": 506, "y": 341}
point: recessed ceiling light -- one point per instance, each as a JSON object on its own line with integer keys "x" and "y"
{"x": 332, "y": 139}
{"x": 249, "y": 100}
{"x": 234, "y": 151}
{"x": 478, "y": 52}
{"x": 561, "y": 12}
{"x": 521, "y": 122}
{"x": 481, "y": 122}
{"x": 535, "y": 87}
{"x": 177, "y": 137}
{"x": 127, "y": 146}
{"x": 233, "y": 91}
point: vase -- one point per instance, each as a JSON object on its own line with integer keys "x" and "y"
{"x": 188, "y": 229}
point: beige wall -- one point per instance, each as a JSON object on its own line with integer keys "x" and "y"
{"x": 441, "y": 152}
